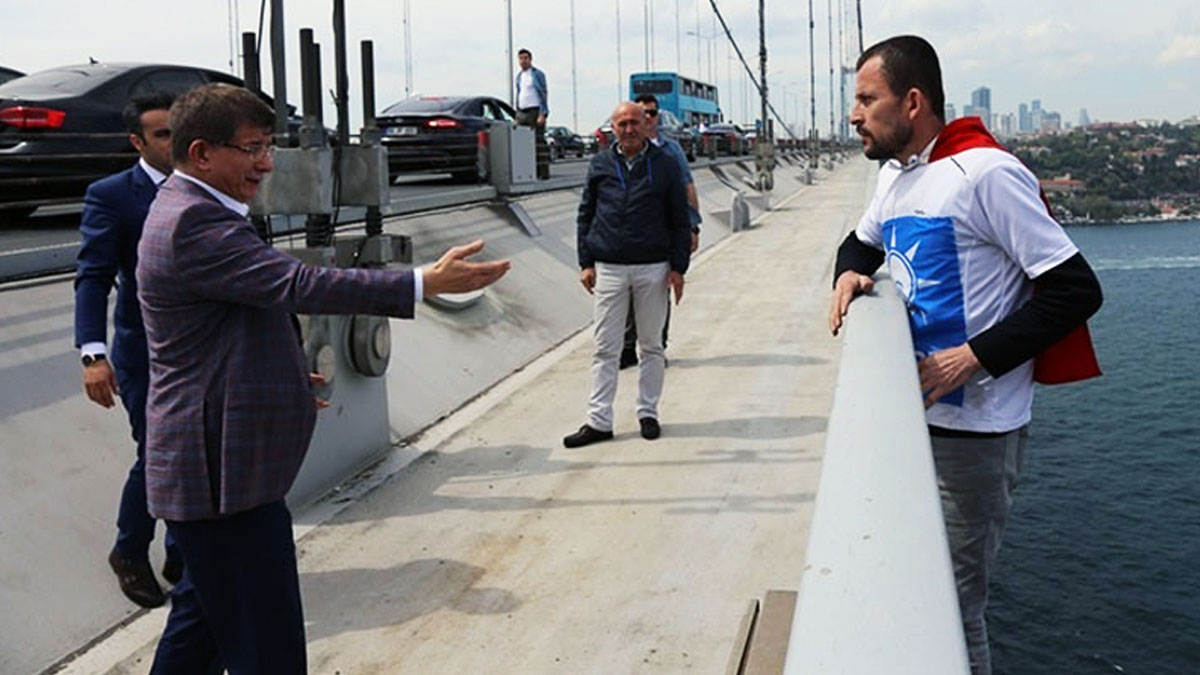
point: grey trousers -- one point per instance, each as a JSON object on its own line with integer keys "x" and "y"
{"x": 976, "y": 479}
{"x": 615, "y": 285}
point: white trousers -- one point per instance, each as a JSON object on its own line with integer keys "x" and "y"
{"x": 615, "y": 284}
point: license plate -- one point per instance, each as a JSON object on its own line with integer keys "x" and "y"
{"x": 402, "y": 131}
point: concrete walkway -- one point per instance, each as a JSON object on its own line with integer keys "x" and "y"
{"x": 499, "y": 551}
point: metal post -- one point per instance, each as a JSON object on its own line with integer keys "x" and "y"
{"x": 812, "y": 94}
{"x": 646, "y": 31}
{"x": 762, "y": 64}
{"x": 832, "y": 132}
{"x": 341, "y": 78}
{"x": 232, "y": 40}
{"x": 368, "y": 84}
{"x": 408, "y": 71}
{"x": 508, "y": 55}
{"x": 678, "y": 52}
{"x": 278, "y": 71}
{"x": 250, "y": 69}
{"x": 698, "y": 71}
{"x": 765, "y": 180}
{"x": 311, "y": 133}
{"x": 370, "y": 132}
{"x": 858, "y": 5}
{"x": 653, "y": 63}
{"x": 574, "y": 82}
{"x": 620, "y": 82}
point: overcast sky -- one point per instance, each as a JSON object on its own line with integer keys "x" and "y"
{"x": 1118, "y": 59}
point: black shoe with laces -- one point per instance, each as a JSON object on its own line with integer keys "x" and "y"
{"x": 137, "y": 580}
{"x": 650, "y": 428}
{"x": 586, "y": 436}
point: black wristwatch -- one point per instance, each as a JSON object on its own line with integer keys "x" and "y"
{"x": 89, "y": 359}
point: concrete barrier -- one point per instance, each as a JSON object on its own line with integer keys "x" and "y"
{"x": 878, "y": 593}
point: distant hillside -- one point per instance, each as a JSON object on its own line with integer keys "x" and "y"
{"x": 1108, "y": 172}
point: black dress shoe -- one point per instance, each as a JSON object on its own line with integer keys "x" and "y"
{"x": 172, "y": 571}
{"x": 628, "y": 358}
{"x": 586, "y": 436}
{"x": 137, "y": 580}
{"x": 650, "y": 428}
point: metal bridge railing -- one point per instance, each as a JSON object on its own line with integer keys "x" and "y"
{"x": 877, "y": 594}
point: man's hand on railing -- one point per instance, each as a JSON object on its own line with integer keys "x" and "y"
{"x": 848, "y": 285}
{"x": 943, "y": 372}
{"x": 453, "y": 273}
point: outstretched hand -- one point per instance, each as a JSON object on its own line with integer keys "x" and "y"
{"x": 453, "y": 273}
{"x": 849, "y": 285}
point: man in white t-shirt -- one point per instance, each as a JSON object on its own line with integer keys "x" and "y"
{"x": 533, "y": 107}
{"x": 967, "y": 240}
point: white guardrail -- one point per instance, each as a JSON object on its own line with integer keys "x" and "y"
{"x": 877, "y": 595}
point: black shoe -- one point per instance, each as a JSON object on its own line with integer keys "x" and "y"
{"x": 137, "y": 580}
{"x": 650, "y": 428}
{"x": 586, "y": 436}
{"x": 628, "y": 358}
{"x": 172, "y": 571}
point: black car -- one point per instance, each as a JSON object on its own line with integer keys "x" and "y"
{"x": 61, "y": 129}
{"x": 7, "y": 74}
{"x": 562, "y": 142}
{"x": 668, "y": 125}
{"x": 441, "y": 134}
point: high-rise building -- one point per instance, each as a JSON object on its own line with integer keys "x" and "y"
{"x": 1051, "y": 121}
{"x": 1084, "y": 120}
{"x": 1036, "y": 115}
{"x": 950, "y": 114}
{"x": 982, "y": 98}
{"x": 1024, "y": 119}
{"x": 1008, "y": 124}
{"x": 981, "y": 105}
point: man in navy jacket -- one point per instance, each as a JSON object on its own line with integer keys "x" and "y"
{"x": 634, "y": 241}
{"x": 114, "y": 210}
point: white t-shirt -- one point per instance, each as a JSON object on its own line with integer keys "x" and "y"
{"x": 529, "y": 97}
{"x": 963, "y": 237}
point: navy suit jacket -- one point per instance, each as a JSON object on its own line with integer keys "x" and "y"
{"x": 230, "y": 411}
{"x": 114, "y": 210}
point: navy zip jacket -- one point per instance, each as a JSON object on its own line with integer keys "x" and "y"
{"x": 634, "y": 216}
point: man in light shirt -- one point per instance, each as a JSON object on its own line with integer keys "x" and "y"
{"x": 113, "y": 212}
{"x": 533, "y": 107}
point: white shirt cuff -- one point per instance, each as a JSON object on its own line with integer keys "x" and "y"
{"x": 418, "y": 285}
{"x": 93, "y": 349}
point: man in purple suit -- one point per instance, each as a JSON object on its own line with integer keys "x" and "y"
{"x": 230, "y": 411}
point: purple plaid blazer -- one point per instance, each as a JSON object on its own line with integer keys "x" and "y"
{"x": 230, "y": 411}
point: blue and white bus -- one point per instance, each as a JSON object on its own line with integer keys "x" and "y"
{"x": 691, "y": 101}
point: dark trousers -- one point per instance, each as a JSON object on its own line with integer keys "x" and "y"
{"x": 135, "y": 526}
{"x": 238, "y": 606}
{"x": 631, "y": 330}
{"x": 527, "y": 117}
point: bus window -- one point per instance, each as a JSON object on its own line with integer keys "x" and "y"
{"x": 651, "y": 87}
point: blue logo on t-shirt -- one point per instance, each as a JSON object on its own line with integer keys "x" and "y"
{"x": 923, "y": 260}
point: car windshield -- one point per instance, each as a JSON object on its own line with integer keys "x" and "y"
{"x": 58, "y": 82}
{"x": 424, "y": 104}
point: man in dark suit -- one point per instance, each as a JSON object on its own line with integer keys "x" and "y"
{"x": 113, "y": 212}
{"x": 231, "y": 411}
